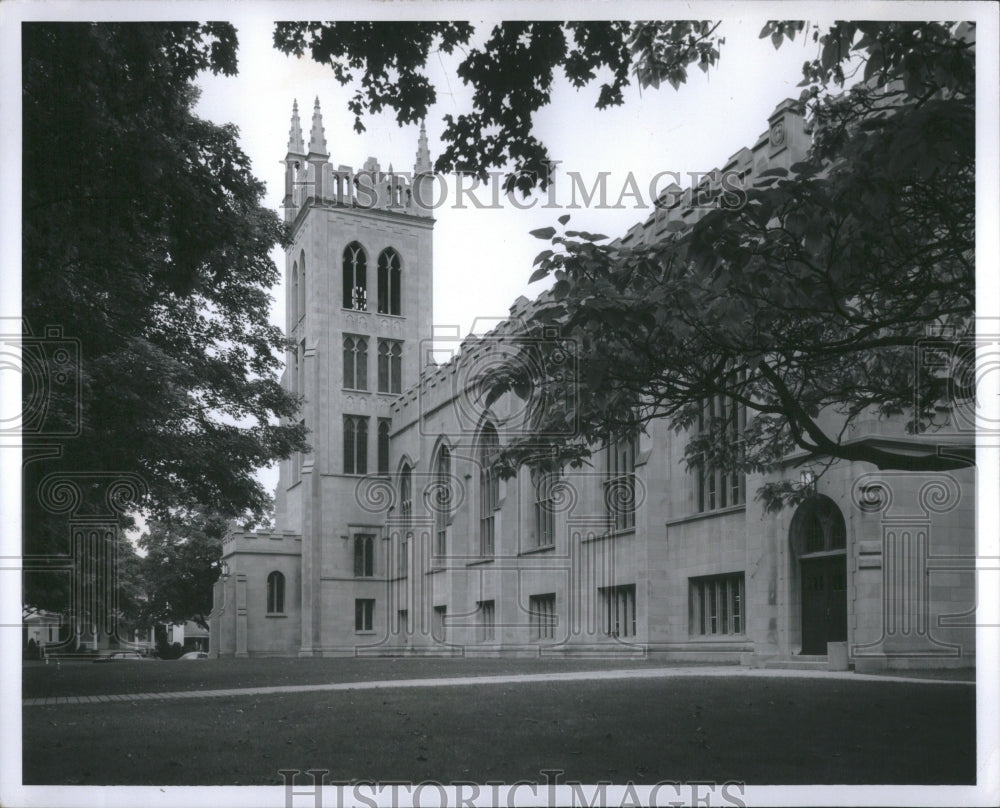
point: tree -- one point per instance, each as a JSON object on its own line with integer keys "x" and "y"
{"x": 808, "y": 299}
{"x": 144, "y": 241}
{"x": 511, "y": 74}
{"x": 182, "y": 563}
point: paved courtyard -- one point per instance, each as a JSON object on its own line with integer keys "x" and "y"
{"x": 217, "y": 723}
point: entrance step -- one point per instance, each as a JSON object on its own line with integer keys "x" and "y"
{"x": 802, "y": 662}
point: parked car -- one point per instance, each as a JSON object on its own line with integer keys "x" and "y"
{"x": 119, "y": 656}
{"x": 194, "y": 655}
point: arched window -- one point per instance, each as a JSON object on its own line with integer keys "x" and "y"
{"x": 301, "y": 300}
{"x": 441, "y": 501}
{"x": 293, "y": 294}
{"x": 390, "y": 366}
{"x": 383, "y": 445}
{"x": 275, "y": 593}
{"x": 355, "y": 362}
{"x": 405, "y": 514}
{"x": 489, "y": 489}
{"x": 355, "y": 444}
{"x": 388, "y": 282}
{"x": 818, "y": 526}
{"x": 355, "y": 277}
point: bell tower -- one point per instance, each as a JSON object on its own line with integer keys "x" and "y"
{"x": 358, "y": 306}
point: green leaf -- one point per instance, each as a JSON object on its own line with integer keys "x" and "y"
{"x": 543, "y": 232}
{"x": 564, "y": 218}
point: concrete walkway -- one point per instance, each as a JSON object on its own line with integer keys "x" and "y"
{"x": 482, "y": 681}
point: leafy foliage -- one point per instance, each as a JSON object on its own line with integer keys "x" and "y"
{"x": 145, "y": 239}
{"x": 511, "y": 73}
{"x": 807, "y": 304}
{"x": 182, "y": 562}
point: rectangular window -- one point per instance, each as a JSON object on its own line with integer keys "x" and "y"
{"x": 618, "y": 605}
{"x": 390, "y": 366}
{"x": 545, "y": 514}
{"x": 437, "y": 623}
{"x": 355, "y": 362}
{"x": 403, "y": 621}
{"x": 489, "y": 490}
{"x": 300, "y": 367}
{"x": 717, "y": 489}
{"x": 489, "y": 504}
{"x": 364, "y": 556}
{"x": 383, "y": 445}
{"x": 543, "y": 616}
{"x": 355, "y": 444}
{"x": 364, "y": 614}
{"x": 404, "y": 558}
{"x": 619, "y": 483}
{"x": 487, "y": 621}
{"x": 718, "y": 605}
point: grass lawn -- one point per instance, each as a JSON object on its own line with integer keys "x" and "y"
{"x": 760, "y": 730}
{"x": 153, "y": 676}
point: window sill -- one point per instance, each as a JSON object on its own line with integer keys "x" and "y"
{"x": 610, "y": 534}
{"x": 354, "y": 311}
{"x": 276, "y": 614}
{"x": 544, "y": 548}
{"x": 822, "y": 554}
{"x": 694, "y": 517}
{"x": 387, "y": 314}
{"x": 366, "y": 631}
{"x": 355, "y": 390}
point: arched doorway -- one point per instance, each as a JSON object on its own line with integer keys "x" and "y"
{"x": 818, "y": 538}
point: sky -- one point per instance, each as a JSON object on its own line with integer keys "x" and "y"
{"x": 483, "y": 256}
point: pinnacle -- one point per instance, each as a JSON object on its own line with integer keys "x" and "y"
{"x": 423, "y": 163}
{"x": 317, "y": 139}
{"x": 295, "y": 134}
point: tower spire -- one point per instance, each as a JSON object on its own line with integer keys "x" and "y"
{"x": 317, "y": 140}
{"x": 423, "y": 163}
{"x": 295, "y": 135}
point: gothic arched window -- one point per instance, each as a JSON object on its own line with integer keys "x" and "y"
{"x": 301, "y": 291}
{"x": 441, "y": 501}
{"x": 355, "y": 277}
{"x": 389, "y": 279}
{"x": 405, "y": 514}
{"x": 275, "y": 593}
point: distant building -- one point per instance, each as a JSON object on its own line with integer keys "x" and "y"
{"x": 395, "y": 536}
{"x": 190, "y": 636}
{"x": 43, "y": 629}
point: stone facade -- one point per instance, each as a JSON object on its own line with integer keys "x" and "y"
{"x": 419, "y": 549}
